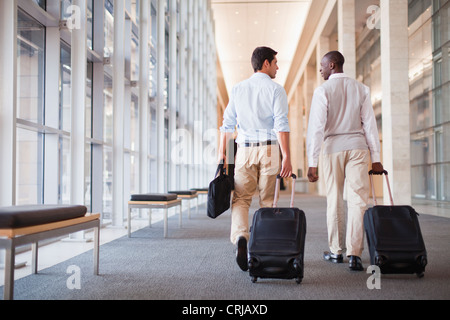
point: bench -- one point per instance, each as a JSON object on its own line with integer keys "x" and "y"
{"x": 187, "y": 195}
{"x": 153, "y": 201}
{"x": 22, "y": 225}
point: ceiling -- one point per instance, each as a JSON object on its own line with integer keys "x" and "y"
{"x": 241, "y": 26}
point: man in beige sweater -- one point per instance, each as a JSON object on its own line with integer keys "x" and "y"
{"x": 342, "y": 119}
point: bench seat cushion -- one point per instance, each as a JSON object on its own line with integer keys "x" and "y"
{"x": 200, "y": 189}
{"x": 33, "y": 215}
{"x": 185, "y": 192}
{"x": 154, "y": 197}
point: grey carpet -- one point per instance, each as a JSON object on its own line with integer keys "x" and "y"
{"x": 197, "y": 263}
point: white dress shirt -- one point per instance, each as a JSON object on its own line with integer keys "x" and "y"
{"x": 259, "y": 107}
{"x": 342, "y": 116}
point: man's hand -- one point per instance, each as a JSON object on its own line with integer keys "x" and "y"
{"x": 312, "y": 174}
{"x": 286, "y": 168}
{"x": 222, "y": 158}
{"x": 225, "y": 137}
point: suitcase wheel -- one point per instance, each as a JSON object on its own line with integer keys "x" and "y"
{"x": 253, "y": 263}
{"x": 298, "y": 280}
{"x": 423, "y": 261}
{"x": 420, "y": 275}
{"x": 254, "y": 279}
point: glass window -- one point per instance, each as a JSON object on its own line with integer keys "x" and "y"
{"x": 421, "y": 112}
{"x": 41, "y": 3}
{"x": 88, "y": 176}
{"x": 109, "y": 29}
{"x": 134, "y": 123}
{"x": 65, "y": 170}
{"x": 65, "y": 87}
{"x": 443, "y": 172}
{"x": 107, "y": 182}
{"x": 29, "y": 174}
{"x": 108, "y": 110}
{"x": 90, "y": 24}
{"x": 30, "y": 69}
{"x": 65, "y": 13}
{"x": 89, "y": 87}
{"x": 134, "y": 58}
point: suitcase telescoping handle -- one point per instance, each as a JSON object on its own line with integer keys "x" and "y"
{"x": 277, "y": 188}
{"x": 385, "y": 173}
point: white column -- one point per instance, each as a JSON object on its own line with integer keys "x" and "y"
{"x": 78, "y": 110}
{"x": 118, "y": 111}
{"x": 52, "y": 105}
{"x": 346, "y": 34}
{"x": 190, "y": 93}
{"x": 322, "y": 48}
{"x": 144, "y": 70}
{"x": 98, "y": 103}
{"x": 8, "y": 87}
{"x": 78, "y": 106}
{"x": 173, "y": 89}
{"x": 395, "y": 99}
{"x": 161, "y": 174}
{"x": 183, "y": 87}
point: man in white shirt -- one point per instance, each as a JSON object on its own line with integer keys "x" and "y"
{"x": 342, "y": 119}
{"x": 259, "y": 108}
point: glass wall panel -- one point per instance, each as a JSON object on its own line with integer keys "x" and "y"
{"x": 89, "y": 75}
{"x": 29, "y": 174}
{"x": 109, "y": 29}
{"x": 65, "y": 87}
{"x": 430, "y": 98}
{"x": 65, "y": 171}
{"x": 30, "y": 69}
{"x": 108, "y": 110}
{"x": 90, "y": 24}
{"x": 107, "y": 182}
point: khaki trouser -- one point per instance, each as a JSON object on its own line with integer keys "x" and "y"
{"x": 352, "y": 167}
{"x": 255, "y": 168}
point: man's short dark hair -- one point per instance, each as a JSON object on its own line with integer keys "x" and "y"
{"x": 260, "y": 55}
{"x": 336, "y": 57}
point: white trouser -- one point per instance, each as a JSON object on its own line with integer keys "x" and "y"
{"x": 350, "y": 166}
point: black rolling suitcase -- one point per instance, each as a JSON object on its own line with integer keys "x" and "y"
{"x": 277, "y": 242}
{"x": 394, "y": 238}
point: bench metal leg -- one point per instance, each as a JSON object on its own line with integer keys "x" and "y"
{"x": 181, "y": 214}
{"x": 34, "y": 257}
{"x": 149, "y": 218}
{"x": 166, "y": 222}
{"x": 96, "y": 249}
{"x": 129, "y": 222}
{"x": 10, "y": 255}
{"x": 189, "y": 209}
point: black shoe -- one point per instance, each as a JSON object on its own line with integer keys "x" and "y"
{"x": 355, "y": 263}
{"x": 332, "y": 257}
{"x": 241, "y": 254}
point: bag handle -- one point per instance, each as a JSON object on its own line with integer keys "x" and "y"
{"x": 277, "y": 188}
{"x": 220, "y": 169}
{"x": 385, "y": 173}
